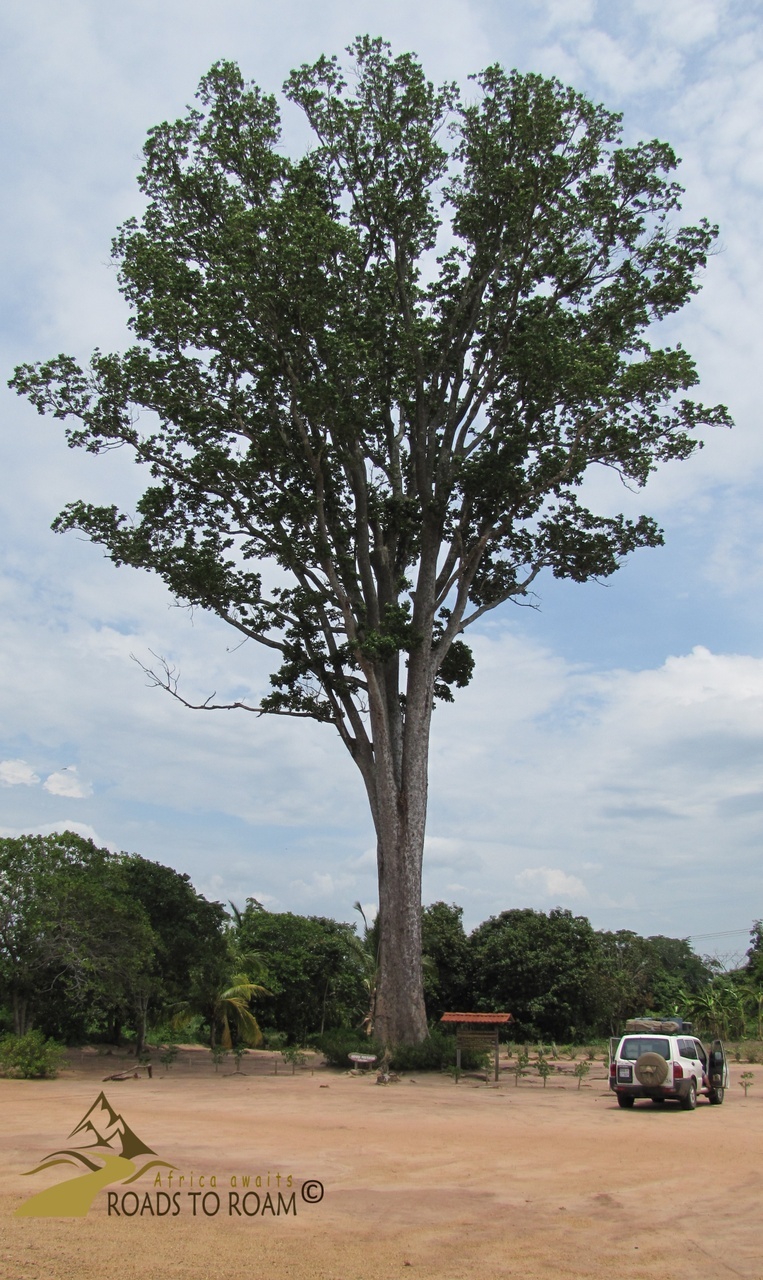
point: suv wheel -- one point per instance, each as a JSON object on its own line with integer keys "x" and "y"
{"x": 689, "y": 1101}
{"x": 716, "y": 1097}
{"x": 625, "y": 1100}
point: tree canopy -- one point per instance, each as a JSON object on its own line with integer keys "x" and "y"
{"x": 93, "y": 943}
{"x": 369, "y": 382}
{"x": 93, "y": 940}
{"x": 73, "y": 945}
{"x": 314, "y": 973}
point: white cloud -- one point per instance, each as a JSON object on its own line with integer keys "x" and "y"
{"x": 15, "y": 773}
{"x": 55, "y": 828}
{"x": 642, "y": 776}
{"x": 624, "y": 68}
{"x": 564, "y": 13}
{"x": 324, "y": 885}
{"x": 543, "y": 766}
{"x": 366, "y": 861}
{"x": 227, "y": 889}
{"x": 66, "y": 782}
{"x": 682, "y": 22}
{"x": 446, "y": 853}
{"x": 552, "y": 882}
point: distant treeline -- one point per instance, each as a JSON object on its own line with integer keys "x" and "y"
{"x": 99, "y": 946}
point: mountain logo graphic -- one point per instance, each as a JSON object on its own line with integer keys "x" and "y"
{"x": 109, "y": 1151}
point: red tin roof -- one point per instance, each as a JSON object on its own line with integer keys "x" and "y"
{"x": 486, "y": 1019}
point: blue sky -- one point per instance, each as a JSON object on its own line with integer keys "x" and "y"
{"x": 608, "y": 756}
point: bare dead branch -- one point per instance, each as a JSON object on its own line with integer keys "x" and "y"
{"x": 169, "y": 682}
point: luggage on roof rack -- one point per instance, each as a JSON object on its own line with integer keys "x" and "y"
{"x": 664, "y": 1026}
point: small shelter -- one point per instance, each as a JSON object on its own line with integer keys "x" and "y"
{"x": 478, "y": 1032}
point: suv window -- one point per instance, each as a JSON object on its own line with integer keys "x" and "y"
{"x": 687, "y": 1049}
{"x": 634, "y": 1046}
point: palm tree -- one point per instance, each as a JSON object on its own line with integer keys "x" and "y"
{"x": 231, "y": 1008}
{"x": 223, "y": 995}
{"x": 224, "y": 1003}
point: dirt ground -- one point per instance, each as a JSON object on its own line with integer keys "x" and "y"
{"x": 423, "y": 1178}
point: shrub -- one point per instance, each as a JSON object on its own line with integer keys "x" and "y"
{"x": 272, "y": 1039}
{"x": 336, "y": 1045}
{"x": 544, "y": 1069}
{"x": 296, "y": 1056}
{"x": 238, "y": 1052}
{"x": 218, "y": 1055}
{"x": 436, "y": 1053}
{"x": 168, "y": 1056}
{"x": 521, "y": 1066}
{"x": 31, "y": 1056}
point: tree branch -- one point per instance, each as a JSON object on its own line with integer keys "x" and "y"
{"x": 169, "y": 682}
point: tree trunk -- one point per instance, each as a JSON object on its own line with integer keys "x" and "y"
{"x": 21, "y": 1023}
{"x": 400, "y": 1016}
{"x": 398, "y": 796}
{"x": 141, "y": 1021}
{"x": 323, "y": 1010}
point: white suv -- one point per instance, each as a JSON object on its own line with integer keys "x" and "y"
{"x": 663, "y": 1066}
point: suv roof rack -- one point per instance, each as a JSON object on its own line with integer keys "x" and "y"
{"x": 666, "y": 1026}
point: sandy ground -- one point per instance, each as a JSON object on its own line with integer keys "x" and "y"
{"x": 423, "y": 1178}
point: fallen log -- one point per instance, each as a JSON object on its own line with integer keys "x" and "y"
{"x": 129, "y": 1075}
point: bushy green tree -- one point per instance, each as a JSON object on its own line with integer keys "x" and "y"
{"x": 73, "y": 944}
{"x": 634, "y": 975}
{"x": 444, "y": 943}
{"x": 754, "y": 964}
{"x": 313, "y": 971}
{"x": 385, "y": 369}
{"x": 676, "y": 968}
{"x": 189, "y": 941}
{"x": 537, "y": 967}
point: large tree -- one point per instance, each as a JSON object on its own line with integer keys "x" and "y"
{"x": 368, "y": 384}
{"x": 313, "y": 972}
{"x": 76, "y": 947}
{"x": 190, "y": 946}
{"x": 540, "y": 968}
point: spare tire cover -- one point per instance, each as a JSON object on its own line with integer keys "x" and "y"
{"x": 651, "y": 1069}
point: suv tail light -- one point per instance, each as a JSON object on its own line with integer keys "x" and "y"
{"x": 611, "y": 1068}
{"x": 678, "y": 1071}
